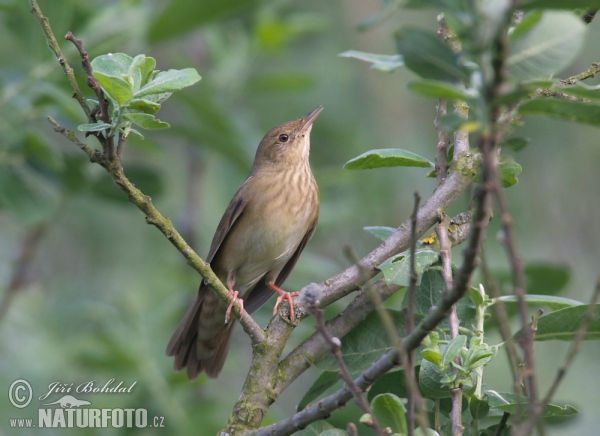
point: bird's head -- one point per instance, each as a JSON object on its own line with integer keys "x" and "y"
{"x": 286, "y": 145}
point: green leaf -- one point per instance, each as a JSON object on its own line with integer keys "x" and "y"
{"x": 509, "y": 170}
{"x": 558, "y": 4}
{"x": 387, "y": 157}
{"x": 475, "y": 296}
{"x": 587, "y": 113}
{"x": 146, "y": 121}
{"x": 432, "y": 356}
{"x": 551, "y": 46}
{"x": 113, "y": 65}
{"x": 452, "y": 349}
{"x": 366, "y": 343}
{"x": 429, "y": 292}
{"x": 393, "y": 382}
{"x": 94, "y": 127}
{"x": 326, "y": 380}
{"x": 389, "y": 411}
{"x": 528, "y": 22}
{"x": 322, "y": 428}
{"x": 387, "y": 63}
{"x": 546, "y": 278}
{"x": 145, "y": 106}
{"x": 562, "y": 324}
{"x": 507, "y": 402}
{"x": 169, "y": 81}
{"x": 396, "y": 269}
{"x": 554, "y": 303}
{"x": 118, "y": 89}
{"x": 430, "y": 381}
{"x": 478, "y": 408}
{"x": 381, "y": 232}
{"x": 438, "y": 89}
{"x": 181, "y": 16}
{"x": 426, "y": 55}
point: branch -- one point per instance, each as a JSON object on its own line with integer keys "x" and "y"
{"x": 585, "y": 74}
{"x": 413, "y": 394}
{"x": 335, "y": 347}
{"x": 573, "y": 350}
{"x": 53, "y": 45}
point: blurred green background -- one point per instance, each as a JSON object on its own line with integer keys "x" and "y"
{"x": 103, "y": 291}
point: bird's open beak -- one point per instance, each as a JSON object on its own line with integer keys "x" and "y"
{"x": 309, "y": 118}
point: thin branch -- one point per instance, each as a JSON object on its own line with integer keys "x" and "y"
{"x": 53, "y": 44}
{"x": 413, "y": 394}
{"x": 335, "y": 347}
{"x": 585, "y": 74}
{"x": 91, "y": 81}
{"x": 573, "y": 350}
{"x": 453, "y": 322}
{"x": 503, "y": 324}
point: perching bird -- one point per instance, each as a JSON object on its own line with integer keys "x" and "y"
{"x": 257, "y": 243}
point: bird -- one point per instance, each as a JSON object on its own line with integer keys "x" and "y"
{"x": 257, "y": 243}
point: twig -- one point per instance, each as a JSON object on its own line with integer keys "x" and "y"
{"x": 441, "y": 157}
{"x": 573, "y": 350}
{"x": 335, "y": 347}
{"x": 585, "y": 74}
{"x": 413, "y": 393}
{"x": 503, "y": 325}
{"x": 453, "y": 322}
{"x": 502, "y": 424}
{"x": 107, "y": 140}
{"x": 53, "y": 44}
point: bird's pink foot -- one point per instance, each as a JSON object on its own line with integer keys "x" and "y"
{"x": 283, "y": 295}
{"x": 233, "y": 296}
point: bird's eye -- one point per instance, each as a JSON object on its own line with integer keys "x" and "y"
{"x": 283, "y": 137}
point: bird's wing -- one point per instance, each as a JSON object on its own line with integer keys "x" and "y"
{"x": 261, "y": 292}
{"x": 232, "y": 213}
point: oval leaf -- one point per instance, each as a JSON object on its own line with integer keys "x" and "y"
{"x": 426, "y": 55}
{"x": 118, "y": 89}
{"x": 549, "y": 47}
{"x": 94, "y": 127}
{"x": 396, "y": 269}
{"x": 389, "y": 157}
{"x": 587, "y": 113}
{"x": 169, "y": 81}
{"x": 387, "y": 63}
{"x": 554, "y": 303}
{"x": 146, "y": 121}
{"x": 439, "y": 89}
{"x": 561, "y": 325}
{"x": 389, "y": 411}
{"x": 453, "y": 349}
{"x": 381, "y": 232}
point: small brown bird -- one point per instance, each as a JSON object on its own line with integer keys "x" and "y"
{"x": 257, "y": 243}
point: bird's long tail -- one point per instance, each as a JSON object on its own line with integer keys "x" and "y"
{"x": 201, "y": 340}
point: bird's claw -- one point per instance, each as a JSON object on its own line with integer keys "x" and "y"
{"x": 233, "y": 296}
{"x": 287, "y": 296}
